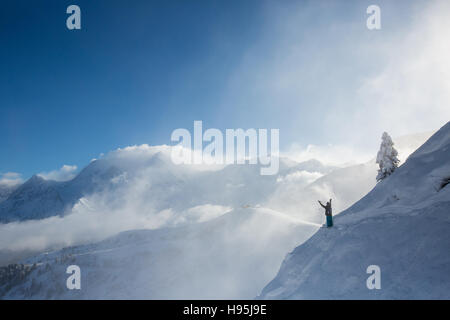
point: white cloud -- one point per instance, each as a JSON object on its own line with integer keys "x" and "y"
{"x": 95, "y": 218}
{"x": 342, "y": 155}
{"x": 65, "y": 173}
{"x": 337, "y": 155}
{"x": 411, "y": 92}
{"x": 10, "y": 179}
{"x": 300, "y": 177}
{"x": 202, "y": 213}
{"x": 330, "y": 80}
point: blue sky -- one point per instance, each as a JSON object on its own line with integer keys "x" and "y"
{"x": 137, "y": 70}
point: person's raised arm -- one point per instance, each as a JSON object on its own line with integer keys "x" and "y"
{"x": 321, "y": 203}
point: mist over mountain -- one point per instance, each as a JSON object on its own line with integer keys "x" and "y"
{"x": 214, "y": 232}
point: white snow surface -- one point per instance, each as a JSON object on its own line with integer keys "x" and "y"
{"x": 402, "y": 226}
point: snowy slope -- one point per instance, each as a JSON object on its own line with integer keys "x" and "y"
{"x": 402, "y": 225}
{"x": 230, "y": 257}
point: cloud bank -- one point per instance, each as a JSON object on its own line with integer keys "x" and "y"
{"x": 10, "y": 179}
{"x": 65, "y": 173}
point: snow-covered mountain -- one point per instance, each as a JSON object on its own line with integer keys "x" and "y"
{"x": 211, "y": 232}
{"x": 5, "y": 191}
{"x": 35, "y": 199}
{"x": 38, "y": 198}
{"x": 132, "y": 188}
{"x": 402, "y": 226}
{"x": 139, "y": 187}
{"x": 166, "y": 185}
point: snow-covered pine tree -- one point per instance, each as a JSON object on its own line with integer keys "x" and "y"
{"x": 386, "y": 157}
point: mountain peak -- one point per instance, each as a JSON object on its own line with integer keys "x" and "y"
{"x": 36, "y": 178}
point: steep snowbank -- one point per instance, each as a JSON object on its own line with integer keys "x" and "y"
{"x": 402, "y": 225}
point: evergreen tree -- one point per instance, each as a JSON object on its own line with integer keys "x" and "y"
{"x": 386, "y": 157}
